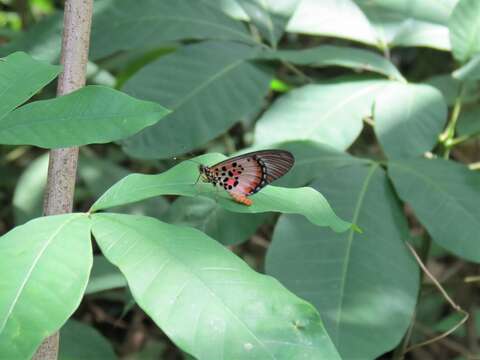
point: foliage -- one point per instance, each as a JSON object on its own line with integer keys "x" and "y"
{"x": 377, "y": 101}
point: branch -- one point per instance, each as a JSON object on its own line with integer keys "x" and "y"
{"x": 452, "y": 303}
{"x": 62, "y": 166}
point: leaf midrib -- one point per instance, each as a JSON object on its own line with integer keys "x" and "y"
{"x": 350, "y": 237}
{"x": 363, "y": 91}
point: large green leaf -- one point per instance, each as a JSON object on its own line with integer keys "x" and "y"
{"x": 404, "y": 23}
{"x": 94, "y": 114}
{"x": 20, "y": 78}
{"x": 269, "y": 16}
{"x": 328, "y": 113}
{"x": 117, "y": 25}
{"x": 364, "y": 285}
{"x": 330, "y": 55}
{"x": 464, "y": 25}
{"x": 181, "y": 180}
{"x": 409, "y": 118}
{"x": 79, "y": 341}
{"x": 434, "y": 11}
{"x": 210, "y": 217}
{"x": 45, "y": 267}
{"x": 381, "y": 23}
{"x": 209, "y": 86}
{"x": 444, "y": 196}
{"x": 208, "y": 301}
{"x": 337, "y": 18}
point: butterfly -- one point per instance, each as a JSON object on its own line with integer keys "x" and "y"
{"x": 246, "y": 174}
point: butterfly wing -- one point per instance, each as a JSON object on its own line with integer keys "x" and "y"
{"x": 248, "y": 173}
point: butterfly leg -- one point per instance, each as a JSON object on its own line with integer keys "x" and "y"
{"x": 241, "y": 199}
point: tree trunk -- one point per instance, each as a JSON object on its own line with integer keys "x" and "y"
{"x": 62, "y": 167}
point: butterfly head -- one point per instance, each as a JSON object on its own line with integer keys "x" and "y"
{"x": 204, "y": 173}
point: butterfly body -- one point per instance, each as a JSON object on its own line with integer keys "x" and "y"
{"x": 246, "y": 174}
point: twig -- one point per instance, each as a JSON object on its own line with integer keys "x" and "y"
{"x": 62, "y": 167}
{"x": 450, "y": 344}
{"x": 445, "y": 295}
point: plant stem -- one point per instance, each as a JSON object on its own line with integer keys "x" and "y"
{"x": 62, "y": 167}
{"x": 297, "y": 71}
{"x": 446, "y": 138}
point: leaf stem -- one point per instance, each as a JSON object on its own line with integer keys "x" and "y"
{"x": 446, "y": 138}
{"x": 462, "y": 139}
{"x": 297, "y": 71}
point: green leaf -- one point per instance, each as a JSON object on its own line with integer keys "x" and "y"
{"x": 29, "y": 192}
{"x": 343, "y": 19}
{"x": 208, "y": 216}
{"x": 181, "y": 180}
{"x": 20, "y": 78}
{"x": 417, "y": 33}
{"x": 117, "y": 25}
{"x": 464, "y": 25}
{"x": 104, "y": 276}
{"x": 409, "y": 118}
{"x": 329, "y": 113}
{"x": 269, "y": 16}
{"x": 81, "y": 341}
{"x": 364, "y": 285}
{"x": 94, "y": 114}
{"x": 469, "y": 72}
{"x": 209, "y": 86}
{"x": 205, "y": 298}
{"x": 401, "y": 23}
{"x": 381, "y": 23}
{"x": 444, "y": 196}
{"x": 45, "y": 267}
{"x": 42, "y": 40}
{"x": 330, "y": 55}
{"x": 469, "y": 121}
